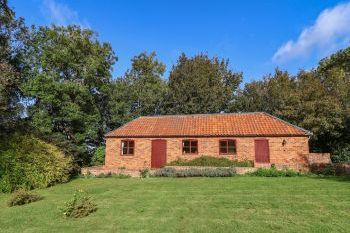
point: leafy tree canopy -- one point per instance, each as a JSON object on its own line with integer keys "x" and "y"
{"x": 201, "y": 85}
{"x": 304, "y": 100}
{"x": 140, "y": 91}
{"x": 12, "y": 34}
{"x": 68, "y": 77}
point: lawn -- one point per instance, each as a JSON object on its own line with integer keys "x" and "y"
{"x": 238, "y": 204}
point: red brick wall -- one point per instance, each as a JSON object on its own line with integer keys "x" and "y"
{"x": 292, "y": 154}
{"x": 319, "y": 158}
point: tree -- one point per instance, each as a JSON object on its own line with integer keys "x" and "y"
{"x": 68, "y": 77}
{"x": 201, "y": 85}
{"x": 334, "y": 72}
{"x": 140, "y": 92}
{"x": 283, "y": 98}
{"x": 275, "y": 94}
{"x": 120, "y": 103}
{"x": 12, "y": 34}
{"x": 304, "y": 100}
{"x": 319, "y": 112}
{"x": 145, "y": 84}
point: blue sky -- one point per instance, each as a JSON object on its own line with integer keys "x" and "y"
{"x": 256, "y": 36}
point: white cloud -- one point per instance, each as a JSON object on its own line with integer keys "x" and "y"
{"x": 60, "y": 14}
{"x": 330, "y": 32}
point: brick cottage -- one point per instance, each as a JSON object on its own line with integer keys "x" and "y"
{"x": 153, "y": 141}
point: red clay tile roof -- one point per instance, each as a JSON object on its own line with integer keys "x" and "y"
{"x": 202, "y": 125}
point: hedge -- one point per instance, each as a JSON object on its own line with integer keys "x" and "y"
{"x": 195, "y": 172}
{"x": 28, "y": 162}
{"x": 210, "y": 161}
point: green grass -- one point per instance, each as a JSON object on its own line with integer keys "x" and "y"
{"x": 237, "y": 204}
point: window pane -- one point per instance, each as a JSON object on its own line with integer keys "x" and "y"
{"x": 186, "y": 143}
{"x": 232, "y": 150}
{"x": 194, "y": 144}
{"x": 223, "y": 150}
{"x": 223, "y": 143}
{"x": 125, "y": 151}
{"x": 131, "y": 151}
{"x": 231, "y": 146}
{"x": 231, "y": 143}
{"x": 131, "y": 144}
{"x": 194, "y": 149}
{"x": 186, "y": 150}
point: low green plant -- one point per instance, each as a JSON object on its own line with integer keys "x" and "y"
{"x": 211, "y": 161}
{"x": 22, "y": 197}
{"x": 195, "y": 172}
{"x": 79, "y": 206}
{"x": 144, "y": 173}
{"x": 274, "y": 172}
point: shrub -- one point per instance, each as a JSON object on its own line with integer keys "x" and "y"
{"x": 80, "y": 206}
{"x": 329, "y": 169}
{"x": 98, "y": 157}
{"x": 28, "y": 162}
{"x": 22, "y": 197}
{"x": 273, "y": 172}
{"x": 341, "y": 154}
{"x": 144, "y": 173}
{"x": 194, "y": 172}
{"x": 210, "y": 161}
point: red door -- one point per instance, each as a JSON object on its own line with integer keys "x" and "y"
{"x": 262, "y": 151}
{"x": 158, "y": 158}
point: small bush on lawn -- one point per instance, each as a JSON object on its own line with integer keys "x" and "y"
{"x": 273, "y": 172}
{"x": 80, "y": 206}
{"x": 210, "y": 161}
{"x": 22, "y": 197}
{"x": 195, "y": 172}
